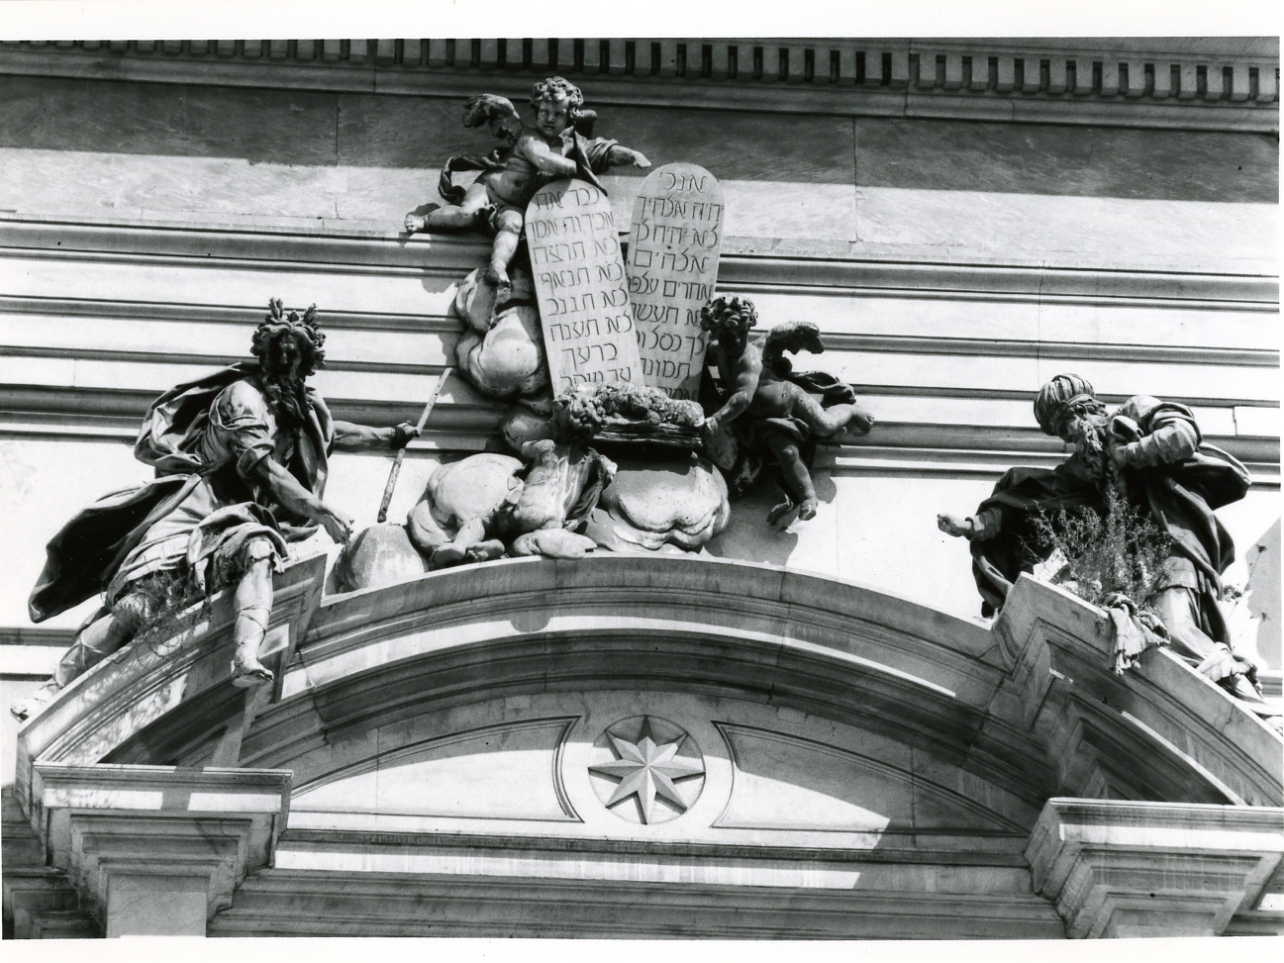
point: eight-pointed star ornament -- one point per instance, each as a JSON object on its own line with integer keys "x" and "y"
{"x": 648, "y": 769}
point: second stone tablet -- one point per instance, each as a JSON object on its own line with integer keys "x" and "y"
{"x": 673, "y": 267}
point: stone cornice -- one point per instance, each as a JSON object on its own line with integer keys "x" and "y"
{"x": 106, "y": 824}
{"x": 1117, "y": 868}
{"x": 449, "y": 256}
{"x": 1197, "y": 84}
{"x": 1202, "y": 746}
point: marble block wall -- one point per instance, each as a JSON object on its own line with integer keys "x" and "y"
{"x": 952, "y": 264}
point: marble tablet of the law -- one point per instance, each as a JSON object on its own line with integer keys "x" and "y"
{"x": 673, "y": 267}
{"x": 581, "y": 286}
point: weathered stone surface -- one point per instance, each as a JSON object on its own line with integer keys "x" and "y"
{"x": 1118, "y": 868}
{"x": 682, "y": 502}
{"x": 460, "y": 506}
{"x": 474, "y": 300}
{"x": 521, "y": 424}
{"x": 502, "y": 354}
{"x": 583, "y": 293}
{"x": 674, "y": 242}
{"x": 378, "y": 555}
{"x": 509, "y": 359}
{"x": 553, "y": 543}
{"x": 155, "y": 850}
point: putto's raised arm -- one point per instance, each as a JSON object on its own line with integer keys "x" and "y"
{"x": 559, "y": 144}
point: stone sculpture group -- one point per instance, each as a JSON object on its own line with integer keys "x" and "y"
{"x": 620, "y": 435}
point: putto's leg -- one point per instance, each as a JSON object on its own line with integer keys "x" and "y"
{"x": 456, "y": 217}
{"x": 471, "y": 533}
{"x": 797, "y": 480}
{"x": 92, "y": 644}
{"x": 253, "y": 610}
{"x": 829, "y": 421}
{"x": 505, "y": 246}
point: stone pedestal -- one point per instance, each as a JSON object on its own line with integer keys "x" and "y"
{"x": 1122, "y": 868}
{"x": 155, "y": 850}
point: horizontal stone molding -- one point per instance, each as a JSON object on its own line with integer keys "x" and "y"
{"x": 450, "y": 256}
{"x": 449, "y": 328}
{"x": 1228, "y": 85}
{"x": 1118, "y": 868}
{"x": 287, "y": 902}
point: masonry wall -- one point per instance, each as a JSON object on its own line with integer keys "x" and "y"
{"x": 953, "y": 265}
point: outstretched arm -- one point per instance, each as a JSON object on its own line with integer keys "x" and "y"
{"x": 618, "y": 156}
{"x": 748, "y": 369}
{"x": 285, "y": 488}
{"x": 351, "y": 437}
{"x": 983, "y": 525}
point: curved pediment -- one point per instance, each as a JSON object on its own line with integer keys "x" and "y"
{"x": 614, "y": 728}
{"x": 841, "y": 709}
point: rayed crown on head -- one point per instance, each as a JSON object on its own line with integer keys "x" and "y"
{"x": 280, "y": 322}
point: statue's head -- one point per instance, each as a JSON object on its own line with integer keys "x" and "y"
{"x": 556, "y": 103}
{"x": 1068, "y": 408}
{"x": 289, "y": 349}
{"x": 729, "y": 320}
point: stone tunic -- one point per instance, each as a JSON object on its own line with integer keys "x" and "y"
{"x": 215, "y": 524}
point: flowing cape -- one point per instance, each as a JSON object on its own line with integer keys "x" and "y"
{"x": 84, "y": 556}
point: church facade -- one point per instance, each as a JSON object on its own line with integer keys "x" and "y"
{"x": 803, "y": 730}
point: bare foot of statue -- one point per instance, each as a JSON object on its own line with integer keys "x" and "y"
{"x": 808, "y": 509}
{"x": 784, "y": 508}
{"x": 447, "y": 555}
{"x": 24, "y": 709}
{"x": 485, "y": 551}
{"x": 497, "y": 276}
{"x": 248, "y": 673}
{"x": 414, "y": 223}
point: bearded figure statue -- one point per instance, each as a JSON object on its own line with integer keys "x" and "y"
{"x": 240, "y": 459}
{"x": 1150, "y": 454}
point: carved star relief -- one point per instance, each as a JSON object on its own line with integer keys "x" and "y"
{"x": 648, "y": 769}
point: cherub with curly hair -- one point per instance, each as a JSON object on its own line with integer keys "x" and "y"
{"x": 241, "y": 462}
{"x": 767, "y": 405}
{"x": 559, "y": 145}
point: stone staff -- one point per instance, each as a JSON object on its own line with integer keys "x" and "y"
{"x": 401, "y": 452}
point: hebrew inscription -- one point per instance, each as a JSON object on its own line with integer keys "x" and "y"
{"x": 583, "y": 291}
{"x": 673, "y": 267}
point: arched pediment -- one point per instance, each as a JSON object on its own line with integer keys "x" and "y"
{"x": 967, "y": 700}
{"x": 620, "y": 721}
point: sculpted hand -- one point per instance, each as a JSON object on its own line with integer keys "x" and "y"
{"x": 1119, "y": 455}
{"x": 401, "y": 435}
{"x": 414, "y": 223}
{"x": 337, "y": 526}
{"x": 568, "y": 141}
{"x": 639, "y": 159}
{"x": 958, "y": 527}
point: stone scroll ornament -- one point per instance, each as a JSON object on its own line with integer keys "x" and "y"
{"x": 581, "y": 286}
{"x": 673, "y": 267}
